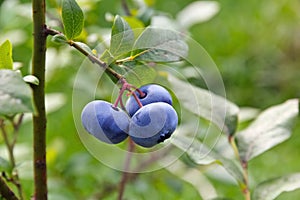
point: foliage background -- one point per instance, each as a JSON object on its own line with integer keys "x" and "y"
{"x": 255, "y": 45}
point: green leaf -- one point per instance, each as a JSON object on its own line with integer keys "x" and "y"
{"x": 197, "y": 151}
{"x": 271, "y": 127}
{"x": 5, "y": 165}
{"x": 15, "y": 94}
{"x": 107, "y": 57}
{"x": 134, "y": 23}
{"x": 202, "y": 155}
{"x": 206, "y": 104}
{"x": 157, "y": 55}
{"x": 193, "y": 176}
{"x": 233, "y": 168}
{"x": 270, "y": 189}
{"x": 160, "y": 45}
{"x": 6, "y": 61}
{"x": 122, "y": 37}
{"x": 72, "y": 17}
{"x": 140, "y": 75}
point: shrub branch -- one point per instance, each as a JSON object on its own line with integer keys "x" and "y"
{"x": 6, "y": 192}
{"x": 39, "y": 118}
{"x": 90, "y": 56}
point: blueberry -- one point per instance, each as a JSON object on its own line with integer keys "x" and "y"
{"x": 153, "y": 93}
{"x": 152, "y": 124}
{"x": 106, "y": 122}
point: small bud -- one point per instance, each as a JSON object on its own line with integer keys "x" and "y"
{"x": 59, "y": 39}
{"x": 31, "y": 79}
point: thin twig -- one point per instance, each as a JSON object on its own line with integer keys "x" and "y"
{"x": 130, "y": 177}
{"x": 244, "y": 164}
{"x": 246, "y": 190}
{"x": 125, "y": 176}
{"x": 7, "y": 143}
{"x": 91, "y": 57}
{"x": 95, "y": 60}
{"x": 16, "y": 126}
{"x": 6, "y": 192}
{"x": 126, "y": 8}
{"x": 14, "y": 177}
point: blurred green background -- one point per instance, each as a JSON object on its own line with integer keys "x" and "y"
{"x": 255, "y": 44}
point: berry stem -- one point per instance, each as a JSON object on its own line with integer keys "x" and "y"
{"x": 122, "y": 105}
{"x": 126, "y": 174}
{"x": 106, "y": 191}
{"x": 125, "y": 86}
{"x": 137, "y": 100}
{"x": 142, "y": 94}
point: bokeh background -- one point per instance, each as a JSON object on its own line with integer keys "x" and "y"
{"x": 255, "y": 44}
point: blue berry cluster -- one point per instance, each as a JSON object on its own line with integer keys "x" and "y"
{"x": 149, "y": 118}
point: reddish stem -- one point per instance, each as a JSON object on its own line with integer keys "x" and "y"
{"x": 126, "y": 86}
{"x": 126, "y": 174}
{"x": 137, "y": 100}
{"x": 142, "y": 94}
{"x": 122, "y": 104}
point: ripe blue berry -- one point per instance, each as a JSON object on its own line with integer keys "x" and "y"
{"x": 106, "y": 122}
{"x": 152, "y": 124}
{"x": 153, "y": 93}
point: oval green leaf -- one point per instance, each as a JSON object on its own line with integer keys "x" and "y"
{"x": 5, "y": 166}
{"x": 73, "y": 18}
{"x": 270, "y": 189}
{"x": 160, "y": 45}
{"x": 6, "y": 61}
{"x": 206, "y": 104}
{"x": 202, "y": 155}
{"x": 140, "y": 75}
{"x": 271, "y": 127}
{"x": 195, "y": 177}
{"x": 15, "y": 94}
{"x": 197, "y": 151}
{"x": 122, "y": 37}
